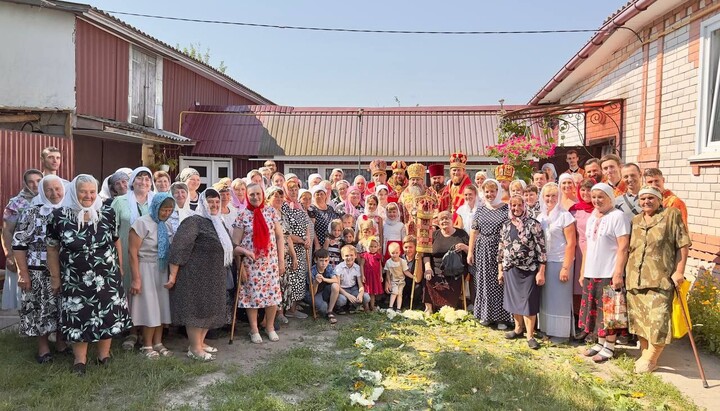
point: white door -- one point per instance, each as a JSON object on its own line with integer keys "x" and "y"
{"x": 210, "y": 169}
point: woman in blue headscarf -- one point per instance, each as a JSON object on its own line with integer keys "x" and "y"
{"x": 149, "y": 244}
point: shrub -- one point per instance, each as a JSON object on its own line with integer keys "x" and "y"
{"x": 704, "y": 304}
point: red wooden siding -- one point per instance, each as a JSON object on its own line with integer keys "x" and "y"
{"x": 182, "y": 88}
{"x": 102, "y": 72}
{"x": 21, "y": 151}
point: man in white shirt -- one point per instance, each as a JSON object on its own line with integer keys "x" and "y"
{"x": 628, "y": 202}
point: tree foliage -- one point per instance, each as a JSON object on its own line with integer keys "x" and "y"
{"x": 195, "y": 50}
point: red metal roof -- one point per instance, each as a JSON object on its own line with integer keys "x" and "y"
{"x": 270, "y": 131}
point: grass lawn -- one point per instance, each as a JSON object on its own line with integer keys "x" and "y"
{"x": 423, "y": 364}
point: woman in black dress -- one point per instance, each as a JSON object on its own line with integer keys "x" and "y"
{"x": 200, "y": 252}
{"x": 521, "y": 268}
{"x": 82, "y": 257}
{"x": 441, "y": 288}
{"x": 484, "y": 240}
{"x": 321, "y": 215}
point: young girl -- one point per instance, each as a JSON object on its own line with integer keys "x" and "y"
{"x": 396, "y": 269}
{"x": 393, "y": 229}
{"x": 348, "y": 221}
{"x": 371, "y": 268}
{"x": 333, "y": 242}
{"x": 371, "y": 214}
{"x": 366, "y": 229}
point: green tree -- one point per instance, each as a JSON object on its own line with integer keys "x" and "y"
{"x": 196, "y": 51}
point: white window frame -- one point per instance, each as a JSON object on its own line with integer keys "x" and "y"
{"x": 211, "y": 166}
{"x": 158, "y": 86}
{"x": 323, "y": 168}
{"x": 703, "y": 143}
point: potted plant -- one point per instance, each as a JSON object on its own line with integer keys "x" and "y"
{"x": 163, "y": 161}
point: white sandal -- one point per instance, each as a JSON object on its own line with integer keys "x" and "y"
{"x": 211, "y": 350}
{"x": 203, "y": 357}
{"x": 162, "y": 350}
{"x": 256, "y": 338}
{"x": 272, "y": 335}
{"x": 149, "y": 353}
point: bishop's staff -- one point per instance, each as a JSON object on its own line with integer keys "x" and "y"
{"x": 425, "y": 206}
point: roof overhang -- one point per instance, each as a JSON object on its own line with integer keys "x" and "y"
{"x": 127, "y": 132}
{"x": 367, "y": 159}
{"x": 618, "y": 31}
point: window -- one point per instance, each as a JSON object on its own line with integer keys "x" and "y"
{"x": 708, "y": 139}
{"x": 303, "y": 171}
{"x": 210, "y": 169}
{"x": 145, "y": 89}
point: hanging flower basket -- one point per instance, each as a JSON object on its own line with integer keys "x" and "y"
{"x": 521, "y": 152}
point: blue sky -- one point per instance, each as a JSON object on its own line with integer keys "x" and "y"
{"x": 341, "y": 69}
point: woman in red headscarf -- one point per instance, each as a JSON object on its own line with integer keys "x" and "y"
{"x": 582, "y": 210}
{"x": 260, "y": 235}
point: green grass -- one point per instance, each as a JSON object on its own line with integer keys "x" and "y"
{"x": 440, "y": 366}
{"x": 431, "y": 365}
{"x": 130, "y": 382}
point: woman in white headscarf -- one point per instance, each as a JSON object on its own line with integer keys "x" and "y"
{"x": 116, "y": 184}
{"x": 39, "y": 311}
{"x": 128, "y": 208}
{"x": 608, "y": 235}
{"x": 200, "y": 252}
{"x": 82, "y": 257}
{"x": 550, "y": 172}
{"x": 484, "y": 242}
{"x": 556, "y": 308}
{"x": 179, "y": 192}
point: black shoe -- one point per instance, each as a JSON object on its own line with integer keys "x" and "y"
{"x": 511, "y": 335}
{"x": 533, "y": 344}
{"x": 104, "y": 362}
{"x": 44, "y": 359}
{"x": 78, "y": 369}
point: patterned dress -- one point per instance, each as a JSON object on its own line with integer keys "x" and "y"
{"x": 39, "y": 313}
{"x": 198, "y": 297}
{"x": 322, "y": 221}
{"x": 297, "y": 222}
{"x": 262, "y": 289}
{"x": 93, "y": 305}
{"x": 11, "y": 214}
{"x": 489, "y": 293}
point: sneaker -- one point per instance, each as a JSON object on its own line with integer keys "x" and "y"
{"x": 296, "y": 314}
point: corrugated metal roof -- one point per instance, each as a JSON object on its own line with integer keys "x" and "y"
{"x": 167, "y": 136}
{"x": 268, "y": 131}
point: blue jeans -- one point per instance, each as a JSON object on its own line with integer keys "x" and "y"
{"x": 342, "y": 300}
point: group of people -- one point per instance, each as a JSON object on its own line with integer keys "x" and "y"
{"x": 90, "y": 261}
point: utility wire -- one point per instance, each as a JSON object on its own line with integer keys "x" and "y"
{"x": 345, "y": 30}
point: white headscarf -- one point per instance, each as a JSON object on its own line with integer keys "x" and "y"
{"x": 105, "y": 192}
{"x": 41, "y": 200}
{"x": 500, "y": 193}
{"x": 132, "y": 201}
{"x": 71, "y": 202}
{"x": 204, "y": 211}
{"x": 605, "y": 188}
{"x": 555, "y": 213}
{"x": 185, "y": 211}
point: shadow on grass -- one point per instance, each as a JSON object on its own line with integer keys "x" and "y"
{"x": 129, "y": 382}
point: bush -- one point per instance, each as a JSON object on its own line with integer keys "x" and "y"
{"x": 704, "y": 304}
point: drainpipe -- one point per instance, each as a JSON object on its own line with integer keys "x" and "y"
{"x": 595, "y": 42}
{"x": 358, "y": 135}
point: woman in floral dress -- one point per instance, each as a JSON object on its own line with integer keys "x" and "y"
{"x": 82, "y": 258}
{"x": 259, "y": 233}
{"x": 521, "y": 260}
{"x": 484, "y": 241}
{"x": 321, "y": 215}
{"x": 39, "y": 311}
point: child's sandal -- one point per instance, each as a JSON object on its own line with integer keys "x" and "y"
{"x": 149, "y": 353}
{"x": 162, "y": 350}
{"x": 331, "y": 318}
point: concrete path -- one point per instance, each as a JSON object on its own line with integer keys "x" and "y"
{"x": 677, "y": 366}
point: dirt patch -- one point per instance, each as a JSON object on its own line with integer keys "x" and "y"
{"x": 242, "y": 356}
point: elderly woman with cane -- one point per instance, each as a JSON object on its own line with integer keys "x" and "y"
{"x": 658, "y": 252}
{"x": 260, "y": 237}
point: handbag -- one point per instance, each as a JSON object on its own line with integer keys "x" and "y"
{"x": 614, "y": 308}
{"x": 679, "y": 325}
{"x": 452, "y": 264}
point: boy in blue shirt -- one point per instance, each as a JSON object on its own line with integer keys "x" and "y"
{"x": 325, "y": 284}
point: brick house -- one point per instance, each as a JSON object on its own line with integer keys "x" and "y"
{"x": 660, "y": 59}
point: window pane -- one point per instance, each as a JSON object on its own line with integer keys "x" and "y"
{"x": 713, "y": 117}
{"x": 222, "y": 172}
{"x": 202, "y": 170}
{"x": 303, "y": 173}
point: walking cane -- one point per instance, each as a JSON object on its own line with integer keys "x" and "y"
{"x": 312, "y": 290}
{"x": 692, "y": 339}
{"x": 464, "y": 297}
{"x": 237, "y": 298}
